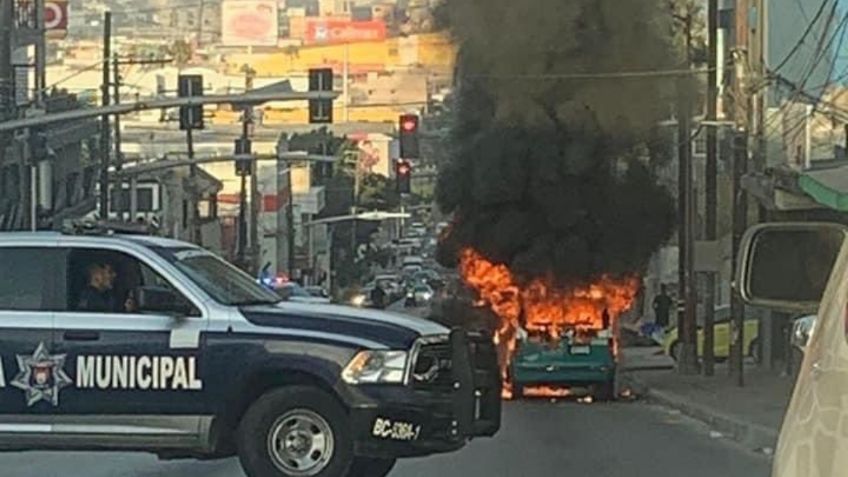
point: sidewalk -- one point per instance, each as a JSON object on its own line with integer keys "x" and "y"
{"x": 751, "y": 415}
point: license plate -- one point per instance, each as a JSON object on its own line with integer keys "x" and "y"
{"x": 580, "y": 350}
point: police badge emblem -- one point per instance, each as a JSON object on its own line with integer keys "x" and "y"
{"x": 41, "y": 376}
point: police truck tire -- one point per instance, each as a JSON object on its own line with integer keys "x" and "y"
{"x": 295, "y": 431}
{"x": 368, "y": 467}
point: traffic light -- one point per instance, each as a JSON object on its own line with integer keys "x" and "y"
{"x": 409, "y": 136}
{"x": 244, "y": 167}
{"x": 191, "y": 117}
{"x": 38, "y": 150}
{"x": 403, "y": 170}
{"x": 320, "y": 110}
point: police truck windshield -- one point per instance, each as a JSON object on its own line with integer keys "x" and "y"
{"x": 225, "y": 283}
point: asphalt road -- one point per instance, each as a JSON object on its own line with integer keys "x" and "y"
{"x": 538, "y": 439}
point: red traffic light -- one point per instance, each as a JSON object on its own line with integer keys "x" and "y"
{"x": 409, "y": 123}
{"x": 404, "y": 168}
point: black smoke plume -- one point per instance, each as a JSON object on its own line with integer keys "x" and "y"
{"x": 550, "y": 172}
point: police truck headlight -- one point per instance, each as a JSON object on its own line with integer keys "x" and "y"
{"x": 376, "y": 367}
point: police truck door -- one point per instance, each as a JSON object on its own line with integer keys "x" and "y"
{"x": 137, "y": 371}
{"x": 32, "y": 374}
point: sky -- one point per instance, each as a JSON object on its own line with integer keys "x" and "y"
{"x": 842, "y": 56}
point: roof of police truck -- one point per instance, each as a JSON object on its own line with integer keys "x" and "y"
{"x": 46, "y": 236}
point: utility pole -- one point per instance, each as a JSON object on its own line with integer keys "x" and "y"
{"x": 355, "y": 202}
{"x": 742, "y": 109}
{"x": 104, "y": 120}
{"x": 711, "y": 176}
{"x": 740, "y": 215}
{"x": 7, "y": 79}
{"x": 7, "y": 72}
{"x": 200, "y": 8}
{"x": 290, "y": 219}
{"x": 119, "y": 159}
{"x": 255, "y": 196}
{"x": 345, "y": 82}
{"x": 194, "y": 216}
{"x": 241, "y": 250}
{"x": 688, "y": 359}
{"x": 40, "y": 55}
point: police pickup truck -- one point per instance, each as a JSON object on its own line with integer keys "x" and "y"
{"x": 115, "y": 341}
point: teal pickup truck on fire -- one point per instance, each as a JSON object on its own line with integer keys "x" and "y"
{"x": 576, "y": 358}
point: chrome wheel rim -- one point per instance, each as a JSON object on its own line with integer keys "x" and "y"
{"x": 301, "y": 443}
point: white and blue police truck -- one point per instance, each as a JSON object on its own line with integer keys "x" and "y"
{"x": 112, "y": 341}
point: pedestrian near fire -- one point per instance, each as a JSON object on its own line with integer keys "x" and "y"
{"x": 662, "y": 307}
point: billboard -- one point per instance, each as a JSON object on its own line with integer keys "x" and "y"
{"x": 249, "y": 23}
{"x": 56, "y": 18}
{"x": 322, "y": 31}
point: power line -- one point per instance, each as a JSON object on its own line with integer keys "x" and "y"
{"x": 179, "y": 6}
{"x": 74, "y": 74}
{"x": 607, "y": 75}
{"x": 802, "y": 10}
{"x": 806, "y": 33}
{"x": 818, "y": 56}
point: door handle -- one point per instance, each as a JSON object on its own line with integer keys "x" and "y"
{"x": 81, "y": 336}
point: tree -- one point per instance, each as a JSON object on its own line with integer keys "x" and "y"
{"x": 378, "y": 193}
{"x": 181, "y": 52}
{"x": 694, "y": 10}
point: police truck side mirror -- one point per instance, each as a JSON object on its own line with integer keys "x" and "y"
{"x": 787, "y": 266}
{"x": 163, "y": 301}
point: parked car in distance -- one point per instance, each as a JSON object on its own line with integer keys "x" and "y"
{"x": 413, "y": 260}
{"x": 419, "y": 295}
{"x": 362, "y": 298}
{"x": 430, "y": 277}
{"x": 317, "y": 291}
{"x": 391, "y": 285}
{"x": 291, "y": 291}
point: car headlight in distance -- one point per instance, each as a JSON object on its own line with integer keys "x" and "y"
{"x": 376, "y": 367}
{"x": 358, "y": 300}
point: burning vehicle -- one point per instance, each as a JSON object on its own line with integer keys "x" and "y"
{"x": 550, "y": 338}
{"x": 552, "y": 179}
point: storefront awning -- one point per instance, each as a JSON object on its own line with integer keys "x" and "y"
{"x": 828, "y": 187}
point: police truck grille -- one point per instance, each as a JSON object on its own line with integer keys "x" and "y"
{"x": 432, "y": 369}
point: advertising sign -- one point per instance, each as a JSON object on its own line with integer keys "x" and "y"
{"x": 249, "y": 23}
{"x": 56, "y": 18}
{"x": 333, "y": 31}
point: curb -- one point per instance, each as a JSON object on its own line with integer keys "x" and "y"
{"x": 748, "y": 434}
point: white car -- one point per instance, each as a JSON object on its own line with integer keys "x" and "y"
{"x": 412, "y": 260}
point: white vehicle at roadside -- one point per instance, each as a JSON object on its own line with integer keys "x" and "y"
{"x": 803, "y": 268}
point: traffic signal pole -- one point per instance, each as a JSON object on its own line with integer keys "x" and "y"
{"x": 105, "y": 132}
{"x": 711, "y": 196}
{"x": 194, "y": 215}
{"x": 7, "y": 77}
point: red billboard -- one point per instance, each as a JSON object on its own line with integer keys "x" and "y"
{"x": 56, "y": 18}
{"x": 249, "y": 23}
{"x": 332, "y": 31}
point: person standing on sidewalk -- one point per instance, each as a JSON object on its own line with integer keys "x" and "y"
{"x": 662, "y": 307}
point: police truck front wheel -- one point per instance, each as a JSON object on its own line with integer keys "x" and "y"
{"x": 296, "y": 431}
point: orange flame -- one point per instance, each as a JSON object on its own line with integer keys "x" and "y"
{"x": 540, "y": 308}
